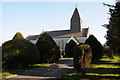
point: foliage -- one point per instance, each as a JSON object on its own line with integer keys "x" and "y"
{"x": 69, "y": 48}
{"x": 18, "y": 35}
{"x": 82, "y": 56}
{"x": 19, "y": 53}
{"x": 0, "y": 48}
{"x": 106, "y": 49}
{"x": 113, "y": 34}
{"x": 48, "y": 49}
{"x": 97, "y": 49}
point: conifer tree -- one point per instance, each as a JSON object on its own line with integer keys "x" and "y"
{"x": 18, "y": 35}
{"x": 113, "y": 34}
{"x": 69, "y": 48}
{"x": 97, "y": 49}
{"x": 19, "y": 53}
{"x": 48, "y": 49}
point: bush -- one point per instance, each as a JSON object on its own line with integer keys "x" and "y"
{"x": 82, "y": 56}
{"x": 48, "y": 49}
{"x": 18, "y": 35}
{"x": 19, "y": 53}
{"x": 69, "y": 48}
{"x": 97, "y": 49}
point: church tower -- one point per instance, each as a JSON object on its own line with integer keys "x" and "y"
{"x": 75, "y": 24}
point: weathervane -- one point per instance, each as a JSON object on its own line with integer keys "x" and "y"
{"x": 76, "y": 5}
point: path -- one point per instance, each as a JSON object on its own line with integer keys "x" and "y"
{"x": 50, "y": 72}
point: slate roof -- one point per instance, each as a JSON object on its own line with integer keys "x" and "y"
{"x": 58, "y": 32}
{"x": 61, "y": 34}
{"x": 83, "y": 33}
{"x": 76, "y": 13}
{"x": 32, "y": 37}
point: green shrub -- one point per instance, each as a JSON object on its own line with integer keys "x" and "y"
{"x": 69, "y": 48}
{"x": 82, "y": 56}
{"x": 97, "y": 49}
{"x": 48, "y": 49}
{"x": 18, "y": 35}
{"x": 19, "y": 53}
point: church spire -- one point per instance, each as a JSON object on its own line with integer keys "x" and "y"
{"x": 75, "y": 25}
{"x": 76, "y": 13}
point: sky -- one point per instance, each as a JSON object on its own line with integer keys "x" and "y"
{"x": 32, "y": 18}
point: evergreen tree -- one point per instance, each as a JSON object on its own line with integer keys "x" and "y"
{"x": 82, "y": 56}
{"x": 19, "y": 53}
{"x": 97, "y": 49}
{"x": 69, "y": 48}
{"x": 18, "y": 35}
{"x": 48, "y": 49}
{"x": 113, "y": 34}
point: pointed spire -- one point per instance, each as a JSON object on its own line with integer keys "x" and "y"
{"x": 75, "y": 13}
{"x": 75, "y": 24}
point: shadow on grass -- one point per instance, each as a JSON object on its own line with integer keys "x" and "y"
{"x": 92, "y": 74}
{"x": 104, "y": 62}
{"x": 104, "y": 69}
{"x": 52, "y": 72}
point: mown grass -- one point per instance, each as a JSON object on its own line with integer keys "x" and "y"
{"x": 41, "y": 65}
{"x": 10, "y": 72}
{"x": 67, "y": 58}
{"x": 104, "y": 69}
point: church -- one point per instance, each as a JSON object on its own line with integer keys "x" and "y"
{"x": 61, "y": 37}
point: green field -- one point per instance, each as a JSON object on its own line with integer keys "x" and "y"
{"x": 104, "y": 69}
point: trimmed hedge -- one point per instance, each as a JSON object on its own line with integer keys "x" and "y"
{"x": 19, "y": 53}
{"x": 69, "y": 48}
{"x": 82, "y": 56}
{"x": 97, "y": 49}
{"x": 48, "y": 49}
{"x": 18, "y": 35}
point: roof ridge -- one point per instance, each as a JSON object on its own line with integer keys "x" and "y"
{"x": 58, "y": 30}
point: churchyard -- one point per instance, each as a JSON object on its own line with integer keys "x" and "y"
{"x": 21, "y": 59}
{"x": 87, "y": 61}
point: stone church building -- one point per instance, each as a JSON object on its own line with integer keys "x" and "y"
{"x": 61, "y": 37}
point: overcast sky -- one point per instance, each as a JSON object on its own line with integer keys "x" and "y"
{"x": 31, "y": 18}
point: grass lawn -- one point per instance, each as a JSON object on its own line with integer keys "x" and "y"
{"x": 105, "y": 69}
{"x": 67, "y": 58}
